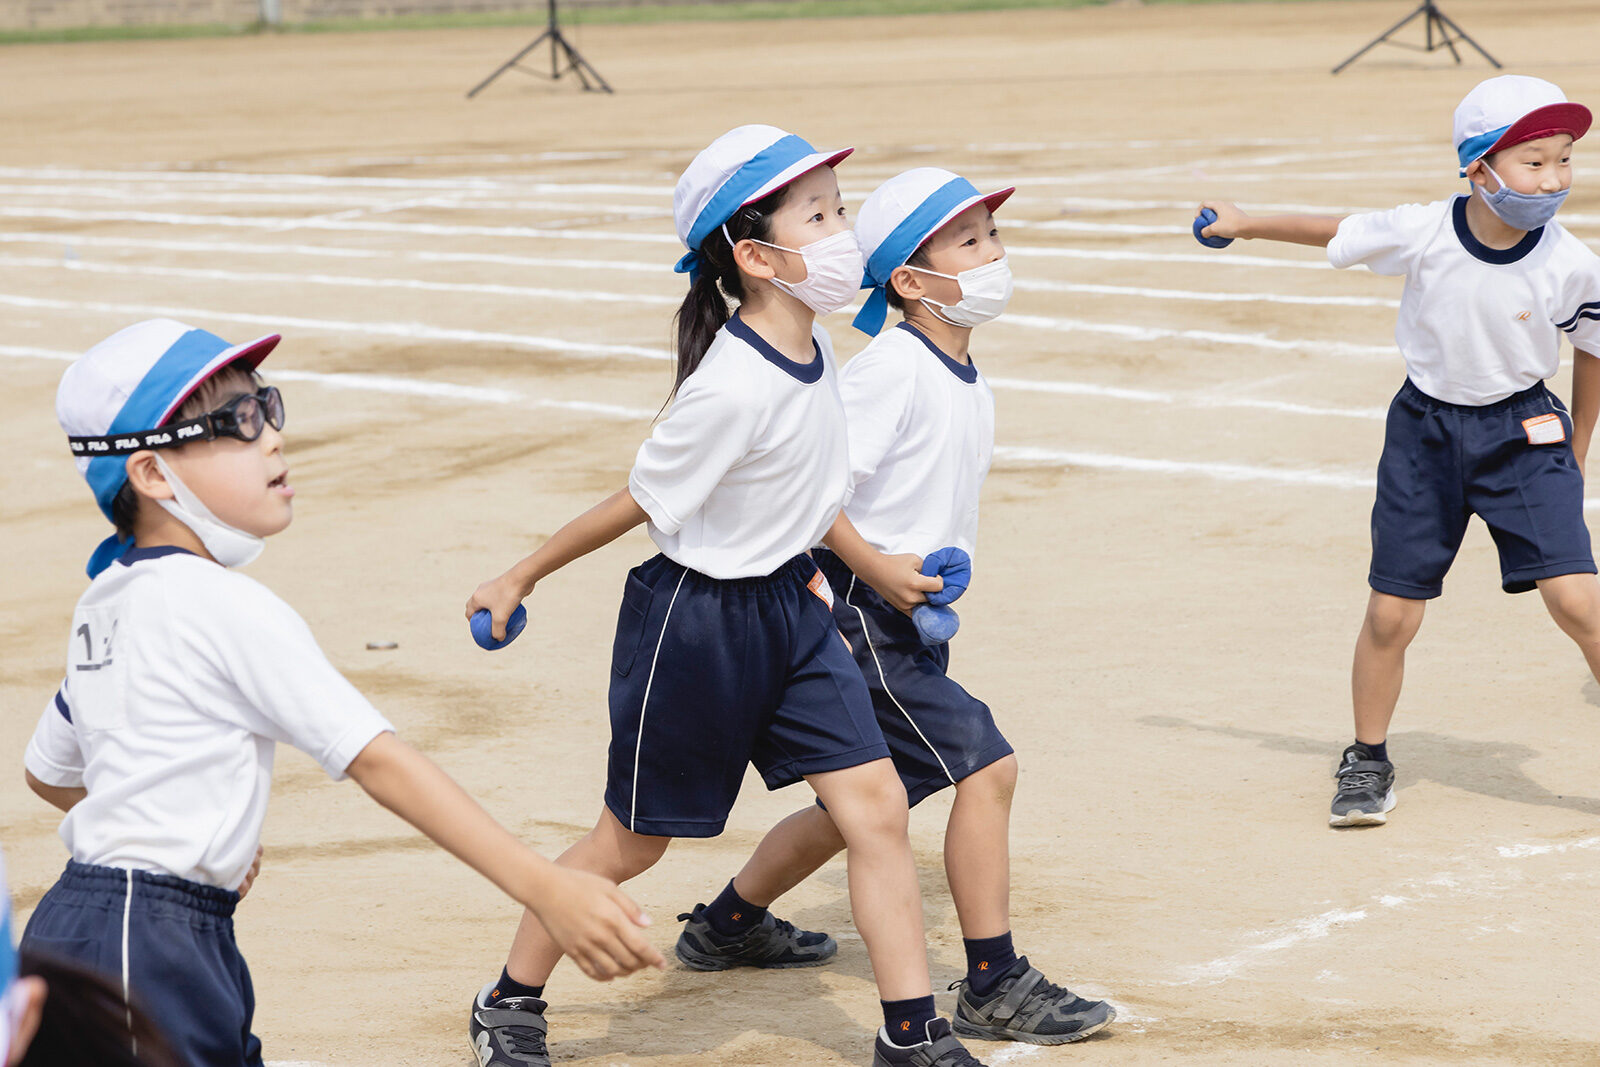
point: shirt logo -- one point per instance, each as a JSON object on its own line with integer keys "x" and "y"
{"x": 1524, "y": 316}
{"x": 984, "y": 966}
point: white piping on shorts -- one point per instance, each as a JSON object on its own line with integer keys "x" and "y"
{"x": 127, "y": 994}
{"x": 867, "y": 637}
{"x": 644, "y": 705}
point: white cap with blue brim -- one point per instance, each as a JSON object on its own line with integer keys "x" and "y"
{"x": 132, "y": 382}
{"x": 738, "y": 168}
{"x": 898, "y": 217}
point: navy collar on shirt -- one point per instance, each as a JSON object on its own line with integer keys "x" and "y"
{"x": 134, "y": 555}
{"x": 967, "y": 372}
{"x": 806, "y": 373}
{"x": 1479, "y": 250}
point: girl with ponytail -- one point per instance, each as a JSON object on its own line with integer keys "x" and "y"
{"x": 726, "y": 653}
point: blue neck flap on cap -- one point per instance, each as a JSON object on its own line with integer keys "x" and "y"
{"x": 143, "y": 409}
{"x": 737, "y": 191}
{"x": 1474, "y": 147}
{"x": 902, "y": 242}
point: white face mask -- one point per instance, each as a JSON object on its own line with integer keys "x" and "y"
{"x": 834, "y": 266}
{"x": 228, "y": 546}
{"x": 985, "y": 291}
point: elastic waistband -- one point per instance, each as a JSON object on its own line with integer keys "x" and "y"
{"x": 795, "y": 569}
{"x": 1534, "y": 394}
{"x": 169, "y": 887}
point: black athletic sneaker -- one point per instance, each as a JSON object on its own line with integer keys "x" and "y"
{"x": 769, "y": 943}
{"x": 508, "y": 1033}
{"x": 940, "y": 1050}
{"x": 1026, "y": 1007}
{"x": 1366, "y": 789}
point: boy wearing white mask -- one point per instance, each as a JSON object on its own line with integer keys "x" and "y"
{"x": 726, "y": 652}
{"x": 182, "y": 675}
{"x": 1492, "y": 285}
{"x": 921, "y": 424}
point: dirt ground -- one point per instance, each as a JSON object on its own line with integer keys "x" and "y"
{"x": 476, "y": 300}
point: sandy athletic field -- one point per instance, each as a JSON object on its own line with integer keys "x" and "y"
{"x": 476, "y": 300}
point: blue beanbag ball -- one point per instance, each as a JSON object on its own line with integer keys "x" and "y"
{"x": 1204, "y": 219}
{"x": 483, "y": 624}
{"x": 935, "y": 624}
{"x": 955, "y": 567}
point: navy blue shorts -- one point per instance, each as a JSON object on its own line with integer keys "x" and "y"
{"x": 1443, "y": 463}
{"x": 708, "y": 675}
{"x": 938, "y": 733}
{"x": 182, "y": 967}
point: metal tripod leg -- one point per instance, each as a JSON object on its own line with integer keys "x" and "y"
{"x": 1461, "y": 34}
{"x": 1382, "y": 37}
{"x": 508, "y": 64}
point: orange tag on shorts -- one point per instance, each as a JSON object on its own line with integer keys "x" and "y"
{"x": 819, "y": 585}
{"x": 1541, "y": 430}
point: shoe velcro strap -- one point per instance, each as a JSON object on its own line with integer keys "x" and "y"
{"x": 1365, "y": 766}
{"x": 1012, "y": 1002}
{"x": 494, "y": 1018}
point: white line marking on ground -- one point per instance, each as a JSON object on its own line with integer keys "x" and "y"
{"x": 407, "y": 330}
{"x": 1210, "y": 259}
{"x": 1195, "y": 400}
{"x": 1523, "y": 851}
{"x": 1034, "y": 285}
{"x": 586, "y": 296}
{"x": 1226, "y": 472}
{"x": 68, "y": 241}
{"x": 1313, "y": 928}
{"x": 1130, "y": 332}
{"x": 1410, "y": 892}
{"x": 264, "y": 222}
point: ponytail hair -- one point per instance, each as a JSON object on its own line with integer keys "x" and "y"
{"x": 85, "y": 1021}
{"x": 705, "y": 309}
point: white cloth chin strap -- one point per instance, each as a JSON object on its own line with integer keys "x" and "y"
{"x": 228, "y": 545}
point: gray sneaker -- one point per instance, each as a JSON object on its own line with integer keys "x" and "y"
{"x": 508, "y": 1033}
{"x": 772, "y": 942}
{"x": 1026, "y": 1007}
{"x": 1366, "y": 789}
{"x": 941, "y": 1049}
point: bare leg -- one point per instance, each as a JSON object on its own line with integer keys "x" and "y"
{"x": 868, "y": 804}
{"x": 1574, "y": 603}
{"x": 1380, "y": 662}
{"x": 608, "y": 849}
{"x": 977, "y": 856}
{"x": 789, "y": 854}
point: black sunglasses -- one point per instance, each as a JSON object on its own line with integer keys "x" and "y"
{"x": 244, "y": 417}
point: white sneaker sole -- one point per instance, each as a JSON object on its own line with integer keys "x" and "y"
{"x": 1365, "y": 818}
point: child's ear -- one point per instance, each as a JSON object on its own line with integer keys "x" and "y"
{"x": 146, "y": 478}
{"x": 907, "y": 283}
{"x": 754, "y": 259}
{"x": 1477, "y": 173}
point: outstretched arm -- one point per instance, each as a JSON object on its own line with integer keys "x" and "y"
{"x": 592, "y": 920}
{"x": 600, "y": 525}
{"x": 1315, "y": 230}
{"x": 898, "y": 579}
{"x": 1585, "y": 402}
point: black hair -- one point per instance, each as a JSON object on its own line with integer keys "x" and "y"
{"x": 919, "y": 258}
{"x": 85, "y": 1021}
{"x": 215, "y": 390}
{"x": 705, "y": 309}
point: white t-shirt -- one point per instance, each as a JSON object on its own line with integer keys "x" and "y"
{"x": 921, "y": 441}
{"x": 749, "y": 467}
{"x": 1477, "y": 324}
{"x": 181, "y": 675}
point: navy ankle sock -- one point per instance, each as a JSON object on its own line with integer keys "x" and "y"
{"x": 988, "y": 959}
{"x": 1380, "y": 751}
{"x": 731, "y": 915}
{"x": 508, "y": 986}
{"x": 907, "y": 1020}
